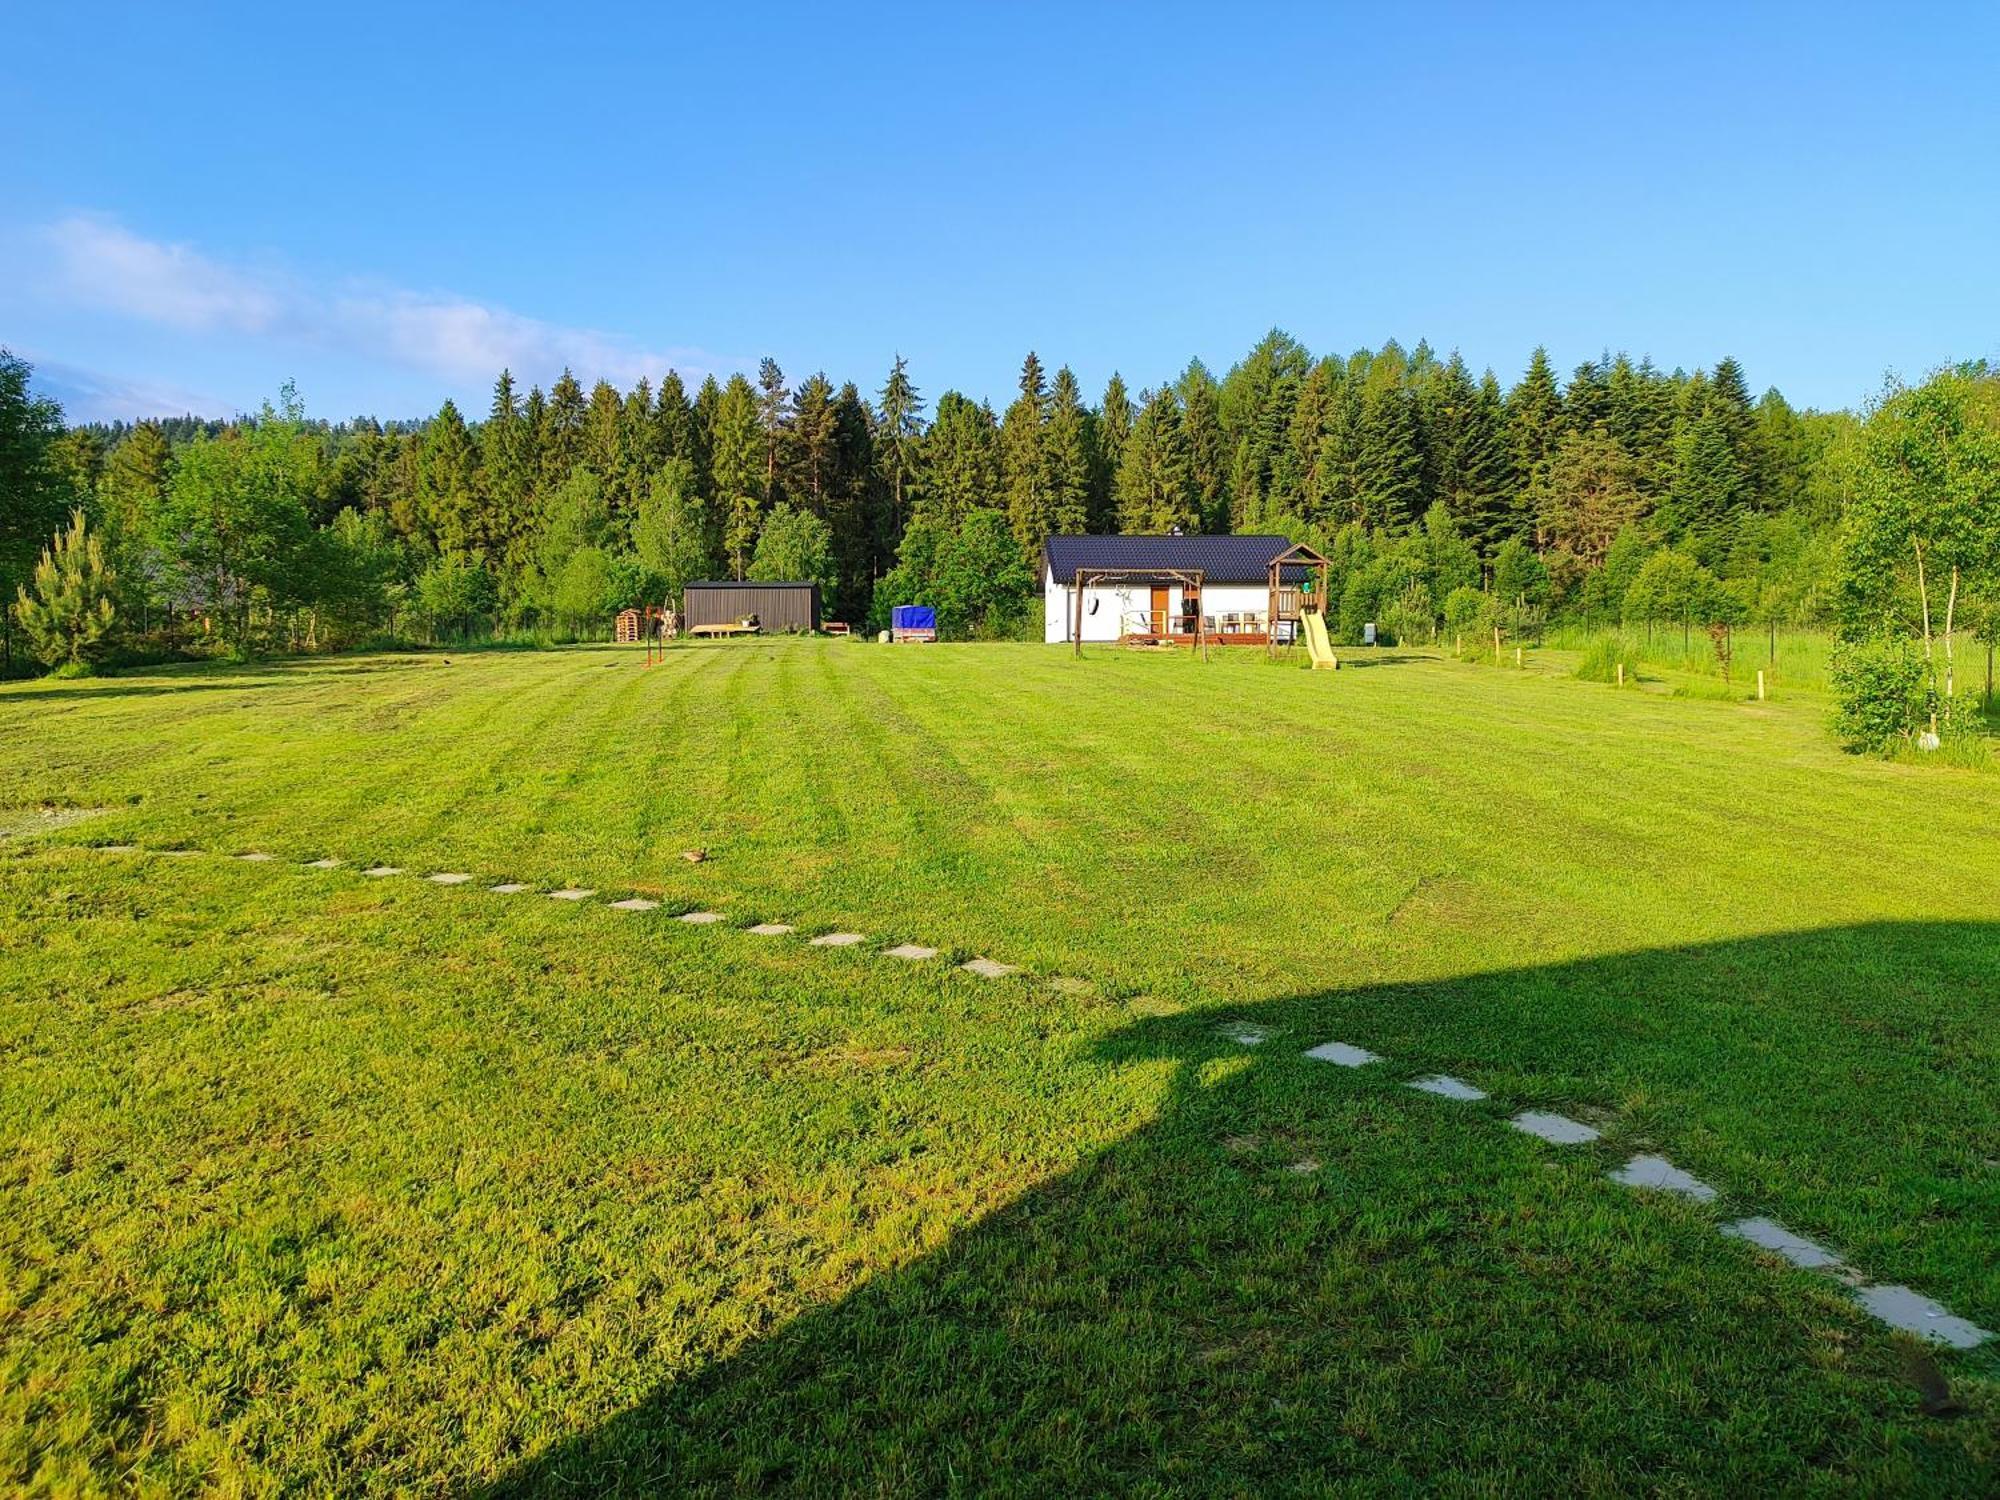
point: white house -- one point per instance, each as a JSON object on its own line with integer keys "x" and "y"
{"x": 1162, "y": 586}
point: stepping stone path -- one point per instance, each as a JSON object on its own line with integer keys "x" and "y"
{"x": 1346, "y": 1056}
{"x": 1902, "y": 1308}
{"x": 1769, "y": 1234}
{"x": 1898, "y": 1306}
{"x": 1561, "y": 1130}
{"x": 1658, "y": 1172}
{"x": 1445, "y": 1086}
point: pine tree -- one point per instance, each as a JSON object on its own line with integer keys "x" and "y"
{"x": 1024, "y": 476}
{"x": 66, "y": 608}
{"x": 1114, "y": 430}
{"x": 740, "y": 469}
{"x": 1155, "y": 493}
{"x": 771, "y": 416}
{"x": 900, "y": 419}
{"x": 1071, "y": 463}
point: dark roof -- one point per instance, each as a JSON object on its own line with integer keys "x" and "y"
{"x": 1221, "y": 559}
{"x": 747, "y": 584}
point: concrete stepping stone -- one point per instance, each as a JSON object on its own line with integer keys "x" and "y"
{"x": 911, "y": 951}
{"x": 508, "y": 888}
{"x": 378, "y": 871}
{"x": 634, "y": 903}
{"x": 837, "y": 940}
{"x": 1912, "y": 1312}
{"x": 987, "y": 968}
{"x": 1245, "y": 1034}
{"x": 1342, "y": 1053}
{"x": 328, "y": 863}
{"x": 256, "y": 858}
{"x": 772, "y": 929}
{"x": 448, "y": 877}
{"x": 1559, "y": 1130}
{"x": 1769, "y": 1234}
{"x": 572, "y": 893}
{"x": 701, "y": 918}
{"x": 1659, "y": 1173}
{"x": 1447, "y": 1087}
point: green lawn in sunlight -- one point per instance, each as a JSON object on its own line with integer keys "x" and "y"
{"x": 313, "y": 1181}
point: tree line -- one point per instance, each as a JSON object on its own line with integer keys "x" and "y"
{"x": 551, "y": 510}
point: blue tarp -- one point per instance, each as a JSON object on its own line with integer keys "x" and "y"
{"x": 913, "y": 617}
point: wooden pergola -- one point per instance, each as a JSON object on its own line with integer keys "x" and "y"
{"x": 1289, "y": 603}
{"x": 1187, "y": 578}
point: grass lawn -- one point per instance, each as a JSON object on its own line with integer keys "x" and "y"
{"x": 311, "y": 1180}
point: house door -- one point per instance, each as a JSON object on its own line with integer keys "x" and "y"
{"x": 1158, "y": 623}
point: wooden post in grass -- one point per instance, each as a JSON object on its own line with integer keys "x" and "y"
{"x": 1496, "y": 645}
{"x": 1517, "y": 656}
{"x": 1621, "y": 674}
{"x": 1760, "y": 684}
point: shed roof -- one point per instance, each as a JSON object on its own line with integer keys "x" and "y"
{"x": 726, "y": 584}
{"x": 1221, "y": 559}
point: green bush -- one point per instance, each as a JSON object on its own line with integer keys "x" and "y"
{"x": 1882, "y": 693}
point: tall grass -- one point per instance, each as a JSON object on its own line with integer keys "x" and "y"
{"x": 1794, "y": 659}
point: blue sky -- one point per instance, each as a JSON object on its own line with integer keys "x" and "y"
{"x": 387, "y": 202}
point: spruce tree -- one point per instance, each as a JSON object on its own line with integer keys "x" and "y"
{"x": 447, "y": 506}
{"x": 960, "y": 461}
{"x": 809, "y": 440}
{"x": 1070, "y": 461}
{"x": 900, "y": 423}
{"x": 739, "y": 471}
{"x": 673, "y": 423}
{"x": 1024, "y": 475}
{"x": 1155, "y": 492}
{"x": 560, "y": 435}
{"x": 1114, "y": 430}
{"x": 506, "y": 480}
{"x": 1207, "y": 447}
{"x": 1534, "y": 427}
{"x": 1388, "y": 468}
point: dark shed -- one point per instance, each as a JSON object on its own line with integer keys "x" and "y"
{"x": 777, "y": 606}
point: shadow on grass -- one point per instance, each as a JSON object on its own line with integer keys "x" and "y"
{"x": 1302, "y": 1277}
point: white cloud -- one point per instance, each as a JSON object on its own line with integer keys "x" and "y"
{"x": 101, "y": 265}
{"x": 92, "y": 396}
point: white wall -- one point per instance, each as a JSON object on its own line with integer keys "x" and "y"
{"x": 1114, "y": 601}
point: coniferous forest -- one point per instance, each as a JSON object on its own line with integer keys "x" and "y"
{"x": 1616, "y": 492}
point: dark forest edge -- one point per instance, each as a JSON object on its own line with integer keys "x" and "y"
{"x": 1450, "y": 508}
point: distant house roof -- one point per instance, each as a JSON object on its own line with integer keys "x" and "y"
{"x": 1221, "y": 559}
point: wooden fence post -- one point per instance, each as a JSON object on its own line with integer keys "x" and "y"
{"x": 1760, "y": 685}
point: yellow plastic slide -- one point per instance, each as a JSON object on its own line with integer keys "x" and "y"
{"x": 1320, "y": 648}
